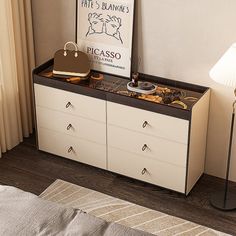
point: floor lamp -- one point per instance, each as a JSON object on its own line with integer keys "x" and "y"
{"x": 224, "y": 72}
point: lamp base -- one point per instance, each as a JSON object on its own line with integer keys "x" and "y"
{"x": 218, "y": 201}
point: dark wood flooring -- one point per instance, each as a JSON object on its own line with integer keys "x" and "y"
{"x": 31, "y": 170}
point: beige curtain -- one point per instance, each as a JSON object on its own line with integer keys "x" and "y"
{"x": 16, "y": 64}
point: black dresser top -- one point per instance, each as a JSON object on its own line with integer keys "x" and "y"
{"x": 114, "y": 89}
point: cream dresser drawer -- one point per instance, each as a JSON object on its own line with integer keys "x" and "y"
{"x": 70, "y": 103}
{"x": 147, "y": 122}
{"x": 72, "y": 148}
{"x": 71, "y": 125}
{"x": 151, "y": 171}
{"x": 152, "y": 147}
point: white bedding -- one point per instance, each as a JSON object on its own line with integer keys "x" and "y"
{"x": 25, "y": 214}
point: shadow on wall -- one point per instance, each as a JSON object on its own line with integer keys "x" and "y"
{"x": 54, "y": 24}
{"x": 137, "y": 63}
{"x": 219, "y": 131}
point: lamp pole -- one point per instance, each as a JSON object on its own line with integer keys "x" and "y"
{"x": 227, "y": 201}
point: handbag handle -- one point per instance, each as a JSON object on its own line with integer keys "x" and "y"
{"x": 76, "y": 48}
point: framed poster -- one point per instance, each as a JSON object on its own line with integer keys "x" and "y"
{"x": 105, "y": 33}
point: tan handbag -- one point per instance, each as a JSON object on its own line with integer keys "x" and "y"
{"x": 71, "y": 62}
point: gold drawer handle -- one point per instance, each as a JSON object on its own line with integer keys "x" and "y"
{"x": 70, "y": 126}
{"x": 71, "y": 149}
{"x": 144, "y": 171}
{"x": 145, "y": 124}
{"x": 68, "y": 105}
{"x": 145, "y": 147}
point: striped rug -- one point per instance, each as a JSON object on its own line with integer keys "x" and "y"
{"x": 122, "y": 212}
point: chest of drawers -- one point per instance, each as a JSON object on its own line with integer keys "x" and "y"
{"x": 154, "y": 147}
{"x": 154, "y": 143}
{"x": 71, "y": 125}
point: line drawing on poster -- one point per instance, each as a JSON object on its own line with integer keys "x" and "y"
{"x": 105, "y": 24}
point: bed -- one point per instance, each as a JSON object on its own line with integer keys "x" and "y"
{"x": 25, "y": 214}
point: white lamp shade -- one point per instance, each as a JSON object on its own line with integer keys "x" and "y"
{"x": 224, "y": 72}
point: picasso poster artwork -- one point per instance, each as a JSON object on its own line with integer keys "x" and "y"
{"x": 105, "y": 33}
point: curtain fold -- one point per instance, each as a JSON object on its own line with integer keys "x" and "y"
{"x": 16, "y": 64}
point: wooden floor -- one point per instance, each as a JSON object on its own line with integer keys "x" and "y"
{"x": 31, "y": 170}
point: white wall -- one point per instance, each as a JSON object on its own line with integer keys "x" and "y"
{"x": 177, "y": 39}
{"x": 54, "y": 24}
